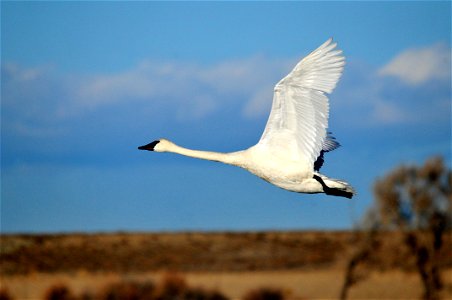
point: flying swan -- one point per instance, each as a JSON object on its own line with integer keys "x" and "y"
{"x": 291, "y": 150}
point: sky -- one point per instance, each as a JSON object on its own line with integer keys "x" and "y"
{"x": 83, "y": 84}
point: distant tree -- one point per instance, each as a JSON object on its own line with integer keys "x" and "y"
{"x": 412, "y": 197}
{"x": 418, "y": 199}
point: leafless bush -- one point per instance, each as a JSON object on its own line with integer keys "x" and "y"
{"x": 5, "y": 295}
{"x": 264, "y": 294}
{"x": 174, "y": 286}
{"x": 127, "y": 290}
{"x": 59, "y": 292}
{"x": 171, "y": 287}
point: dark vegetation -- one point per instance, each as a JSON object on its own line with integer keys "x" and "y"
{"x": 213, "y": 252}
{"x": 415, "y": 202}
{"x": 171, "y": 287}
{"x": 264, "y": 294}
{"x": 23, "y": 254}
{"x": 5, "y": 295}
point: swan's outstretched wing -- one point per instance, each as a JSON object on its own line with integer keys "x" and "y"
{"x": 296, "y": 128}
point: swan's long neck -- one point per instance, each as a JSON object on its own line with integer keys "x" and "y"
{"x": 233, "y": 158}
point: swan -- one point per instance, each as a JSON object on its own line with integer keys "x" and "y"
{"x": 291, "y": 149}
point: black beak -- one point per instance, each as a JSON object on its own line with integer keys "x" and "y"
{"x": 149, "y": 147}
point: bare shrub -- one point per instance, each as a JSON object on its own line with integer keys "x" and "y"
{"x": 59, "y": 292}
{"x": 5, "y": 295}
{"x": 264, "y": 294}
{"x": 200, "y": 294}
{"x": 128, "y": 290}
{"x": 172, "y": 286}
{"x": 86, "y": 295}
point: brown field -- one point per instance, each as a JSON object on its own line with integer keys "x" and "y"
{"x": 303, "y": 265}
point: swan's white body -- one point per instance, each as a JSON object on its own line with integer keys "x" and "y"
{"x": 291, "y": 149}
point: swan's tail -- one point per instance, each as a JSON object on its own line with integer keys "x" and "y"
{"x": 335, "y": 187}
{"x": 341, "y": 188}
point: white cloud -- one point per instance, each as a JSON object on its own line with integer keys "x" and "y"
{"x": 40, "y": 98}
{"x": 416, "y": 66}
{"x": 196, "y": 90}
{"x": 106, "y": 89}
{"x": 16, "y": 72}
{"x": 200, "y": 106}
{"x": 387, "y": 113}
{"x": 365, "y": 98}
{"x": 138, "y": 83}
{"x": 246, "y": 74}
{"x": 260, "y": 103}
{"x": 27, "y": 130}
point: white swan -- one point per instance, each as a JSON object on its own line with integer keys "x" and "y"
{"x": 290, "y": 151}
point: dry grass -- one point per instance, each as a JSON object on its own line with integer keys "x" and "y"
{"x": 180, "y": 251}
{"x": 302, "y": 265}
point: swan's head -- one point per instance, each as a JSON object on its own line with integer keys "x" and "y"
{"x": 161, "y": 145}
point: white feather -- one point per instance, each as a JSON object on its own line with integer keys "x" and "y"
{"x": 300, "y": 106}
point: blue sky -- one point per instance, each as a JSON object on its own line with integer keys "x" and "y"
{"x": 84, "y": 83}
